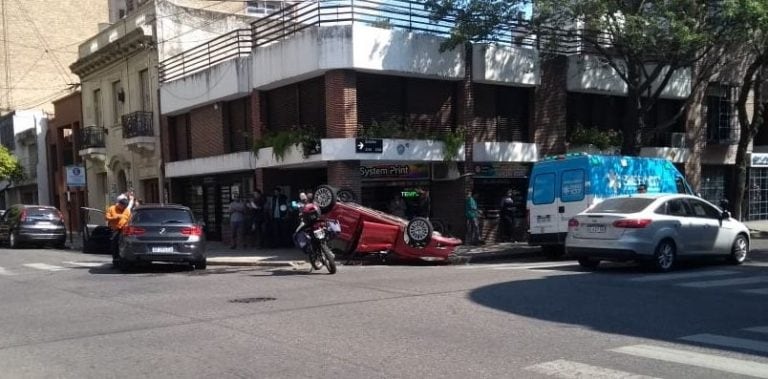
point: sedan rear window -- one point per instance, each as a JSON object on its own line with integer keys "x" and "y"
{"x": 161, "y": 216}
{"x": 621, "y": 205}
{"x": 42, "y": 214}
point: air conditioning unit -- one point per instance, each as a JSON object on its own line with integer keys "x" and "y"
{"x": 445, "y": 171}
{"x": 677, "y": 140}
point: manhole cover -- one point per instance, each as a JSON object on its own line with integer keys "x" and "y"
{"x": 246, "y": 300}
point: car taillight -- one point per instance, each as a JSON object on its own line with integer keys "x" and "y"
{"x": 632, "y": 223}
{"x": 133, "y": 231}
{"x": 573, "y": 223}
{"x": 23, "y": 216}
{"x": 193, "y": 231}
{"x": 61, "y": 215}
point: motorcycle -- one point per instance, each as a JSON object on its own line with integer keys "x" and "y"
{"x": 314, "y": 237}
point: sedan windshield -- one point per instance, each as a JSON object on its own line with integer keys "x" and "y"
{"x": 621, "y": 205}
{"x": 161, "y": 216}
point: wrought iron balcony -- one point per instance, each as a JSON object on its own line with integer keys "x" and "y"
{"x": 137, "y": 124}
{"x": 93, "y": 137}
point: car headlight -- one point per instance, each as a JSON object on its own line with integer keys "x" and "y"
{"x": 319, "y": 233}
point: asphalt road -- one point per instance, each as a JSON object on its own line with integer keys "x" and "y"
{"x": 68, "y": 315}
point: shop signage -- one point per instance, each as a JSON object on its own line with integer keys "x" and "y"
{"x": 395, "y": 171}
{"x": 369, "y": 145}
{"x": 491, "y": 170}
{"x": 759, "y": 160}
{"x": 75, "y": 176}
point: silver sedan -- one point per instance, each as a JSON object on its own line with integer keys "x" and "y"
{"x": 657, "y": 229}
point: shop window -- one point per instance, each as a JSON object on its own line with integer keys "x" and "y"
{"x": 237, "y": 123}
{"x": 572, "y": 186}
{"x": 544, "y": 188}
{"x": 721, "y": 126}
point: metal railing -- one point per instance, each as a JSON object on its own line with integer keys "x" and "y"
{"x": 235, "y": 44}
{"x": 93, "y": 137}
{"x": 137, "y": 124}
{"x": 388, "y": 14}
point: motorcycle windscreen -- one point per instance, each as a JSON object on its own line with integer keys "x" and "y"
{"x": 377, "y": 237}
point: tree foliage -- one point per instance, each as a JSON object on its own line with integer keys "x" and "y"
{"x": 10, "y": 168}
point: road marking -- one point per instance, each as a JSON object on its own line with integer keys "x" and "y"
{"x": 758, "y": 329}
{"x": 562, "y": 368}
{"x": 682, "y": 275}
{"x": 43, "y": 266}
{"x": 3, "y": 271}
{"x": 531, "y": 266}
{"x": 725, "y": 282}
{"x": 758, "y": 291}
{"x": 741, "y": 343}
{"x": 86, "y": 264}
{"x": 710, "y": 361}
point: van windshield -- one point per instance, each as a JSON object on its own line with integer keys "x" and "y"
{"x": 621, "y": 205}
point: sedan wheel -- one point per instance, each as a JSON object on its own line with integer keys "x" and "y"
{"x": 665, "y": 256}
{"x": 739, "y": 250}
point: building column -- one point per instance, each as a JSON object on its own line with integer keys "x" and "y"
{"x": 258, "y": 126}
{"x": 341, "y": 122}
{"x": 551, "y": 99}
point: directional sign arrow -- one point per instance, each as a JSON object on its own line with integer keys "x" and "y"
{"x": 360, "y": 146}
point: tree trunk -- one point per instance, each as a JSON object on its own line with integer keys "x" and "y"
{"x": 633, "y": 123}
{"x": 694, "y": 136}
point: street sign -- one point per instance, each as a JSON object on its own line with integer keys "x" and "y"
{"x": 369, "y": 145}
{"x": 75, "y": 176}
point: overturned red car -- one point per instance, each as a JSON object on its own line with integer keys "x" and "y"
{"x": 365, "y": 230}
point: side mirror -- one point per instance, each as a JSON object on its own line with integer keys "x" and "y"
{"x": 725, "y": 215}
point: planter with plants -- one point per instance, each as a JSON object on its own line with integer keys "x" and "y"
{"x": 281, "y": 141}
{"x": 594, "y": 140}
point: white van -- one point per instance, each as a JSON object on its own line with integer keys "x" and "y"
{"x": 562, "y": 186}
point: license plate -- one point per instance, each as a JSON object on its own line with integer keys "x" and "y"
{"x": 597, "y": 228}
{"x": 162, "y": 249}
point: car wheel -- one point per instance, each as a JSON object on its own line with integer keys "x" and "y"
{"x": 346, "y": 195}
{"x": 60, "y": 245}
{"x": 419, "y": 231}
{"x": 589, "y": 262}
{"x": 201, "y": 264}
{"x": 124, "y": 265}
{"x": 664, "y": 258}
{"x": 325, "y": 198}
{"x": 739, "y": 250}
{"x": 13, "y": 240}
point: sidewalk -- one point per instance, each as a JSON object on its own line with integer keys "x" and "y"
{"x": 757, "y": 229}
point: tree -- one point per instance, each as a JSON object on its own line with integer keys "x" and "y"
{"x": 644, "y": 42}
{"x": 751, "y": 20}
{"x": 10, "y": 169}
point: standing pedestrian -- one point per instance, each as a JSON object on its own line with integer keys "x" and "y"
{"x": 236, "y": 219}
{"x": 255, "y": 225}
{"x": 473, "y": 225}
{"x": 117, "y": 217}
{"x": 278, "y": 209}
{"x": 507, "y": 218}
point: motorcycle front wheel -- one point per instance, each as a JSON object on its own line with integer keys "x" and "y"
{"x": 329, "y": 258}
{"x": 315, "y": 260}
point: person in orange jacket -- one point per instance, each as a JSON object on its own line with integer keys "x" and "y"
{"x": 117, "y": 218}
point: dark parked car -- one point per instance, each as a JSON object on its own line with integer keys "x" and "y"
{"x": 162, "y": 233}
{"x": 32, "y": 224}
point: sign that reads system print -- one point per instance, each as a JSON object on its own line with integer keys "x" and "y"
{"x": 395, "y": 171}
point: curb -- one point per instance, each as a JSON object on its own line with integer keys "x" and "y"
{"x": 250, "y": 261}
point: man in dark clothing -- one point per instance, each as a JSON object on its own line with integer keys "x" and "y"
{"x": 278, "y": 209}
{"x": 507, "y": 218}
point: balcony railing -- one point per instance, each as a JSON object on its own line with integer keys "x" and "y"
{"x": 93, "y": 137}
{"x": 137, "y": 124}
{"x": 387, "y": 14}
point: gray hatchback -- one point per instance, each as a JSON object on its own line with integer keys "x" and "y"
{"x": 162, "y": 233}
{"x": 32, "y": 224}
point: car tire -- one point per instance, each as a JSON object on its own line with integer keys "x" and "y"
{"x": 13, "y": 240}
{"x": 60, "y": 245}
{"x": 665, "y": 256}
{"x": 589, "y": 263}
{"x": 124, "y": 265}
{"x": 201, "y": 264}
{"x": 739, "y": 250}
{"x": 346, "y": 195}
{"x": 418, "y": 232}
{"x": 325, "y": 197}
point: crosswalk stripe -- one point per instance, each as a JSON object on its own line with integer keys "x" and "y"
{"x": 740, "y": 343}
{"x": 683, "y": 275}
{"x": 43, "y": 266}
{"x": 710, "y": 361}
{"x": 758, "y": 291}
{"x": 3, "y": 271}
{"x": 725, "y": 282}
{"x": 86, "y": 264}
{"x": 758, "y": 329}
{"x": 562, "y": 368}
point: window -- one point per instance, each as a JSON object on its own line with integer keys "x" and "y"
{"x": 621, "y": 205}
{"x": 675, "y": 207}
{"x": 544, "y": 188}
{"x": 572, "y": 185}
{"x": 118, "y": 96}
{"x": 237, "y": 125}
{"x": 97, "y": 108}
{"x": 721, "y": 101}
{"x": 261, "y": 7}
{"x": 702, "y": 209}
{"x": 146, "y": 93}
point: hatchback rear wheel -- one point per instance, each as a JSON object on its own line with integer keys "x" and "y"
{"x": 664, "y": 258}
{"x": 739, "y": 250}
